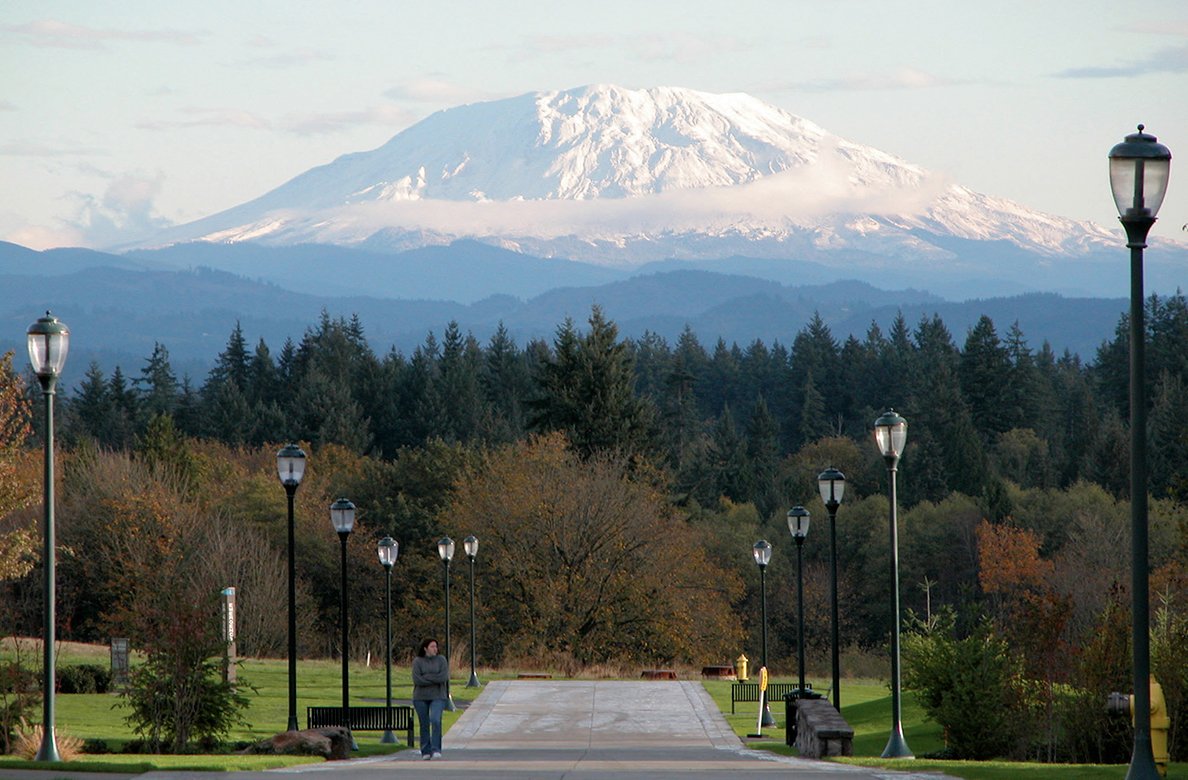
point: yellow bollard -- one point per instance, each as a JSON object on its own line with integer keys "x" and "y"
{"x": 1160, "y": 725}
{"x": 740, "y": 668}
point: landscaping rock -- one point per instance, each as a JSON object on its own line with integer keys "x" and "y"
{"x": 332, "y": 743}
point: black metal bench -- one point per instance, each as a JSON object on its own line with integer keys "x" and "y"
{"x": 744, "y": 692}
{"x": 398, "y": 718}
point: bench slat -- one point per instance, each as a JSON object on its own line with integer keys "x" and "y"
{"x": 398, "y": 718}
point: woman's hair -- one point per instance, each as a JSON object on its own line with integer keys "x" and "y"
{"x": 424, "y": 645}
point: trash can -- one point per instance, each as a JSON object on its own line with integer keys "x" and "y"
{"x": 790, "y": 711}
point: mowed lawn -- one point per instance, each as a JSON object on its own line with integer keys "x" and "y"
{"x": 865, "y": 705}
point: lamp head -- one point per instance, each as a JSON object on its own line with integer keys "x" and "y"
{"x": 470, "y": 544}
{"x": 890, "y": 432}
{"x": 1139, "y": 169}
{"x": 798, "y": 523}
{"x": 290, "y": 465}
{"x": 48, "y": 342}
{"x": 832, "y": 484}
{"x": 445, "y": 549}
{"x": 762, "y": 553}
{"x": 342, "y": 516}
{"x": 388, "y": 548}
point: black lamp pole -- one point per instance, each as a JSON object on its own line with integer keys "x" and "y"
{"x": 48, "y": 342}
{"x": 1139, "y": 168}
{"x": 832, "y": 484}
{"x": 470, "y": 544}
{"x": 445, "y": 550}
{"x": 342, "y": 516}
{"x": 762, "y": 554}
{"x": 388, "y": 549}
{"x": 798, "y": 524}
{"x": 890, "y": 436}
{"x": 290, "y": 466}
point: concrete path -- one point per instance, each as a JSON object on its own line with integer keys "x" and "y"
{"x": 577, "y": 730}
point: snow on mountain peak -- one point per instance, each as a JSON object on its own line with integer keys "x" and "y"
{"x": 607, "y": 173}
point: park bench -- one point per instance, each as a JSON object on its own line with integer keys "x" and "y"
{"x": 398, "y": 718}
{"x": 819, "y": 730}
{"x": 747, "y": 691}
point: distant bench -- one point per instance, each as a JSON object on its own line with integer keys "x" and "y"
{"x": 745, "y": 691}
{"x": 399, "y": 718}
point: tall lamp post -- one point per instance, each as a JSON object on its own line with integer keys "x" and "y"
{"x": 762, "y": 553}
{"x": 445, "y": 550}
{"x": 890, "y": 436}
{"x": 470, "y": 544}
{"x": 48, "y": 341}
{"x": 832, "y": 484}
{"x": 1139, "y": 170}
{"x": 388, "y": 548}
{"x": 342, "y": 517}
{"x": 290, "y": 467}
{"x": 798, "y": 524}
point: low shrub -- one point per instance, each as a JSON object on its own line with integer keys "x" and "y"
{"x": 84, "y": 678}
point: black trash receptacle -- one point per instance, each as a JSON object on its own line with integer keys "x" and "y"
{"x": 790, "y": 711}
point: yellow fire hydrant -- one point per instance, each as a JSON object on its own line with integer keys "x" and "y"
{"x": 1160, "y": 721}
{"x": 740, "y": 668}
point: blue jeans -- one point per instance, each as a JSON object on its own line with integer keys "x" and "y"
{"x": 429, "y": 719}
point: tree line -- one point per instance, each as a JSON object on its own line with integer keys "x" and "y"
{"x": 604, "y": 475}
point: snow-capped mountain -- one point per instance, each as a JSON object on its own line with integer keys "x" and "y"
{"x": 620, "y": 176}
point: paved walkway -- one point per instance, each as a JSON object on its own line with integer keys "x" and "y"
{"x": 576, "y": 730}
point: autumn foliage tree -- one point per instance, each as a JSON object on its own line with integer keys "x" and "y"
{"x": 589, "y": 562}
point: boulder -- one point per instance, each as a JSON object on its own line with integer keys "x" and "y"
{"x": 332, "y": 743}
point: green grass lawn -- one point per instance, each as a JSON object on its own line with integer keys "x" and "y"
{"x": 866, "y": 706}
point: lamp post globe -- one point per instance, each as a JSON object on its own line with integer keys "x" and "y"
{"x": 445, "y": 551}
{"x": 798, "y": 525}
{"x": 290, "y": 468}
{"x": 890, "y": 434}
{"x": 471, "y": 545}
{"x": 342, "y": 517}
{"x": 832, "y": 485}
{"x": 1139, "y": 170}
{"x": 388, "y": 549}
{"x": 762, "y": 554}
{"x": 48, "y": 343}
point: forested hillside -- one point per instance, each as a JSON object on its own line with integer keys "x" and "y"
{"x": 617, "y": 487}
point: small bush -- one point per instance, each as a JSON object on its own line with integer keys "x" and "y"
{"x": 28, "y": 742}
{"x": 96, "y": 747}
{"x": 84, "y": 678}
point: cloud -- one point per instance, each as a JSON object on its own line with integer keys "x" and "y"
{"x": 288, "y": 59}
{"x": 46, "y": 149}
{"x": 682, "y": 47}
{"x": 1168, "y": 60}
{"x": 333, "y": 121}
{"x": 6, "y": 105}
{"x": 896, "y": 79}
{"x": 124, "y": 212}
{"x": 1161, "y": 27}
{"x": 209, "y": 117}
{"x": 435, "y": 88}
{"x": 51, "y": 33}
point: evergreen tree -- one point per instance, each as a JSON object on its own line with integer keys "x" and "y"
{"x": 983, "y": 371}
{"x": 727, "y": 461}
{"x": 458, "y": 388}
{"x": 120, "y": 426}
{"x": 157, "y": 386}
{"x": 506, "y": 385}
{"x": 763, "y": 459}
{"x": 1168, "y": 426}
{"x": 91, "y": 408}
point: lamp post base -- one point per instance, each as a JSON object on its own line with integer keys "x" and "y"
{"x": 49, "y": 747}
{"x": 388, "y": 738}
{"x": 473, "y": 682}
{"x": 897, "y": 746}
{"x": 768, "y": 720}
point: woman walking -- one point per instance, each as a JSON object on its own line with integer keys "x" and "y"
{"x": 431, "y": 675}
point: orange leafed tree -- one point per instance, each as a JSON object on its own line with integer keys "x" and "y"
{"x": 588, "y": 561}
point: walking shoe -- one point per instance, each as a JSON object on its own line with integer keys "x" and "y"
{"x": 437, "y": 754}
{"x": 425, "y": 756}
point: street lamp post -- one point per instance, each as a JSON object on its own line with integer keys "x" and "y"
{"x": 470, "y": 544}
{"x": 290, "y": 467}
{"x": 1139, "y": 170}
{"x": 445, "y": 550}
{"x": 798, "y": 524}
{"x": 762, "y": 553}
{"x": 342, "y": 517}
{"x": 388, "y": 549}
{"x": 832, "y": 484}
{"x": 890, "y": 437}
{"x": 48, "y": 341}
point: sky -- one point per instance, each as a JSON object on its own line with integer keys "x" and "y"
{"x": 119, "y": 119}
